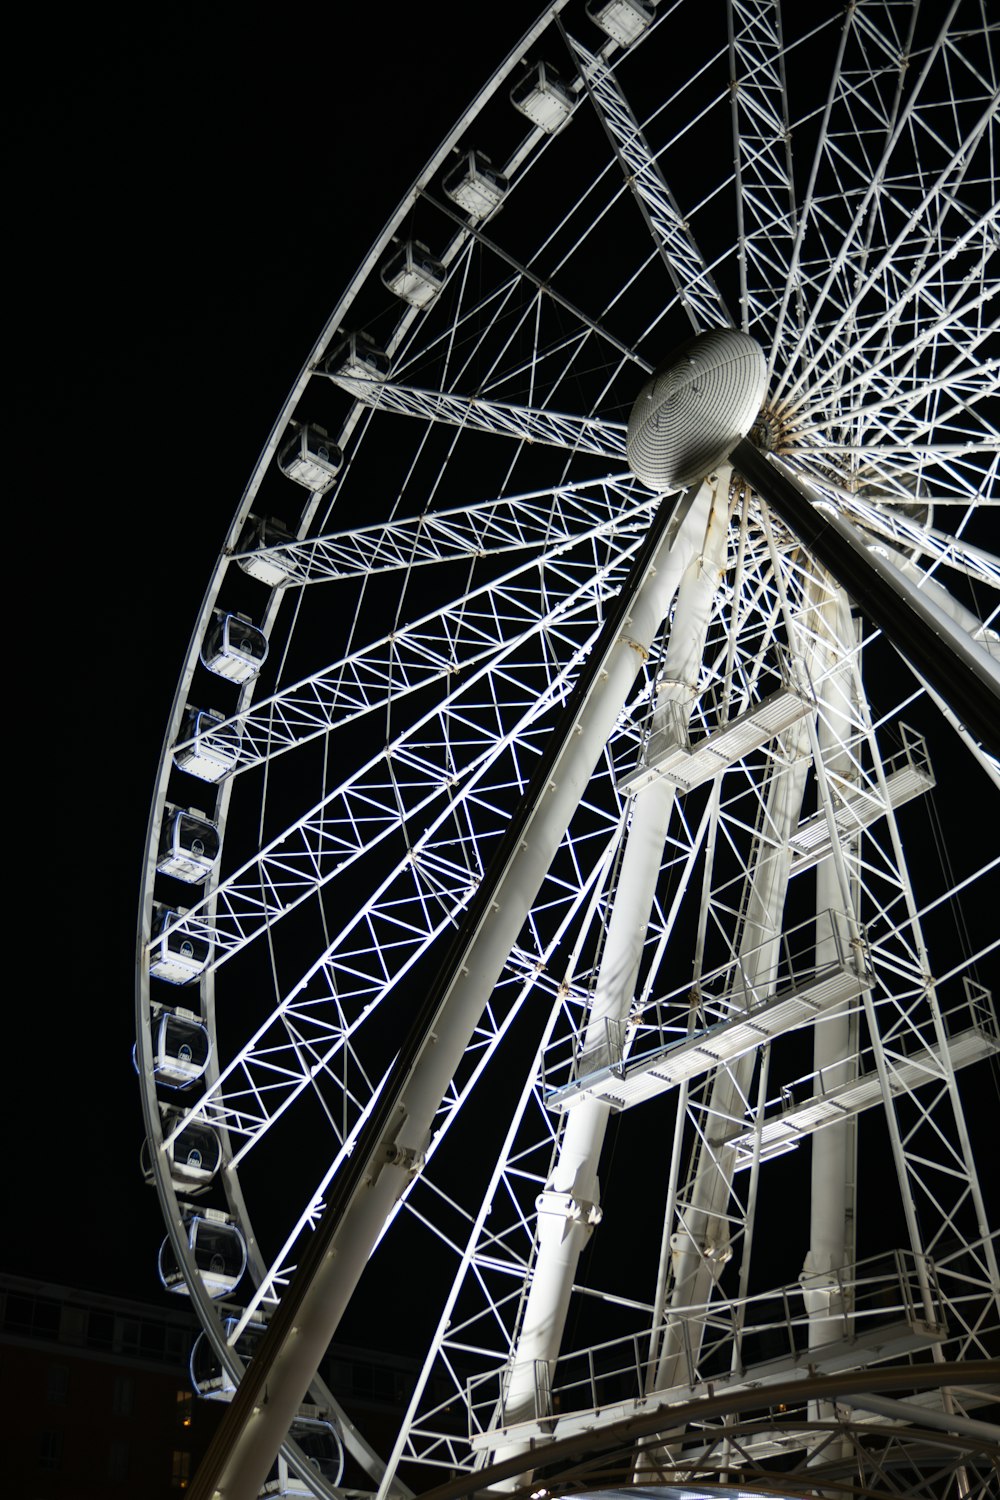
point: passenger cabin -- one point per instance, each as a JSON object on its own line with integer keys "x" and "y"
{"x": 189, "y": 845}
{"x": 321, "y": 1446}
{"x": 475, "y": 185}
{"x": 217, "y": 1248}
{"x": 207, "y": 750}
{"x": 178, "y": 957}
{"x": 413, "y": 274}
{"x": 543, "y": 98}
{"x": 193, "y": 1152}
{"x": 233, "y": 647}
{"x": 358, "y": 358}
{"x": 209, "y": 1378}
{"x": 261, "y": 535}
{"x": 181, "y": 1046}
{"x": 310, "y": 457}
{"x": 623, "y": 21}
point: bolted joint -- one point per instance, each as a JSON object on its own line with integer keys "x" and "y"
{"x": 406, "y": 1158}
{"x": 565, "y": 1206}
{"x": 715, "y": 1252}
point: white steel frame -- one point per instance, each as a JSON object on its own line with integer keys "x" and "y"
{"x": 438, "y": 606}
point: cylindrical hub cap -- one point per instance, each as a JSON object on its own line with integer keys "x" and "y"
{"x": 694, "y": 410}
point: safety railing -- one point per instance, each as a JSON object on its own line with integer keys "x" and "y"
{"x": 792, "y": 963}
{"x": 728, "y": 1340}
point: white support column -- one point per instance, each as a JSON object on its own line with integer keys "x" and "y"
{"x": 831, "y": 1236}
{"x": 569, "y": 1207}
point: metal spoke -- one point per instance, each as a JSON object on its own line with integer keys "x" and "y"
{"x": 693, "y": 282}
{"x": 578, "y": 434}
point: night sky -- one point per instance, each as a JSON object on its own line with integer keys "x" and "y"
{"x": 196, "y": 188}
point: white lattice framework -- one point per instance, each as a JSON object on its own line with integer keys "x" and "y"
{"x": 736, "y": 965}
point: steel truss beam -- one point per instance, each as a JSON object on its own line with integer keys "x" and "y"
{"x": 481, "y": 626}
{"x": 544, "y": 518}
{"x": 693, "y": 281}
{"x": 351, "y": 818}
{"x": 480, "y": 414}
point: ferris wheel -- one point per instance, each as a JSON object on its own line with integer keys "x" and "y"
{"x": 565, "y": 944}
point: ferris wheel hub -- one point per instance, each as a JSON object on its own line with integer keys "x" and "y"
{"x": 695, "y": 408}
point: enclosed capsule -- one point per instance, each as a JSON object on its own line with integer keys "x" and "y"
{"x": 310, "y": 457}
{"x": 261, "y": 538}
{"x": 358, "y": 365}
{"x": 179, "y": 957}
{"x": 233, "y": 647}
{"x": 413, "y": 274}
{"x": 321, "y": 1446}
{"x": 475, "y": 185}
{"x": 189, "y": 845}
{"x": 209, "y": 747}
{"x": 181, "y": 1046}
{"x": 622, "y": 20}
{"x": 217, "y": 1248}
{"x": 192, "y": 1149}
{"x": 357, "y": 357}
{"x": 208, "y": 1375}
{"x": 541, "y": 95}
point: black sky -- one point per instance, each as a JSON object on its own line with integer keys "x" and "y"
{"x": 194, "y": 189}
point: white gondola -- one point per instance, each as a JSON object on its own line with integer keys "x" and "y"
{"x": 194, "y": 1153}
{"x": 208, "y": 1377}
{"x": 260, "y": 536}
{"x": 177, "y": 957}
{"x": 622, "y": 20}
{"x": 541, "y": 95}
{"x": 233, "y": 647}
{"x": 189, "y": 845}
{"x": 217, "y": 1247}
{"x": 208, "y": 751}
{"x": 310, "y": 457}
{"x": 181, "y": 1046}
{"x": 321, "y": 1445}
{"x": 475, "y": 185}
{"x": 356, "y": 360}
{"x": 413, "y": 274}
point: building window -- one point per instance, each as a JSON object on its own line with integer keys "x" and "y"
{"x": 50, "y": 1442}
{"x": 33, "y": 1315}
{"x": 17, "y": 1313}
{"x": 184, "y": 1405}
{"x": 127, "y": 1335}
{"x": 123, "y": 1396}
{"x": 118, "y": 1460}
{"x": 180, "y": 1470}
{"x": 100, "y": 1330}
{"x": 178, "y": 1340}
{"x": 72, "y": 1325}
{"x": 57, "y": 1385}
